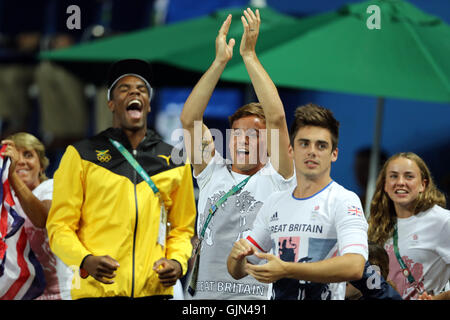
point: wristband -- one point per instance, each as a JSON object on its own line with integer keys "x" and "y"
{"x": 83, "y": 272}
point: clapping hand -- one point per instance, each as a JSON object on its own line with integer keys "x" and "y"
{"x": 251, "y": 23}
{"x": 224, "y": 50}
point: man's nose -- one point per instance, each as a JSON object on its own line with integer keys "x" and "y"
{"x": 311, "y": 150}
{"x": 135, "y": 91}
{"x": 242, "y": 138}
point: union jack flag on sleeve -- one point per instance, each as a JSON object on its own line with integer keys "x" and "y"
{"x": 21, "y": 275}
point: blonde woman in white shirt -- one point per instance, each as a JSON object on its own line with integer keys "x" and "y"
{"x": 34, "y": 191}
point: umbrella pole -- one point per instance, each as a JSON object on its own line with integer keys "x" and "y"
{"x": 374, "y": 156}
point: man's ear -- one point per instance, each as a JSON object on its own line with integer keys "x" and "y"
{"x": 291, "y": 151}
{"x": 334, "y": 155}
{"x": 111, "y": 105}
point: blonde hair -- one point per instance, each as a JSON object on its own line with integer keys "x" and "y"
{"x": 382, "y": 212}
{"x": 28, "y": 141}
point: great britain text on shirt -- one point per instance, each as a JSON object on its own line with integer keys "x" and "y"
{"x": 302, "y": 227}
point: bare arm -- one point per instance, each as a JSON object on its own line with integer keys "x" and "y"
{"x": 35, "y": 209}
{"x": 194, "y": 107}
{"x": 267, "y": 93}
{"x": 348, "y": 267}
{"x": 442, "y": 296}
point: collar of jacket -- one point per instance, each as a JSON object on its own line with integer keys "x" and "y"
{"x": 151, "y": 138}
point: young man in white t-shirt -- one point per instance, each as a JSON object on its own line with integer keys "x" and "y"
{"x": 249, "y": 151}
{"x": 317, "y": 230}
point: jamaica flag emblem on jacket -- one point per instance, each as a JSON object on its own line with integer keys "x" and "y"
{"x": 103, "y": 155}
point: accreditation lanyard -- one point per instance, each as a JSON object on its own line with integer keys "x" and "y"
{"x": 146, "y": 177}
{"x": 212, "y": 210}
{"x": 406, "y": 272}
{"x": 219, "y": 202}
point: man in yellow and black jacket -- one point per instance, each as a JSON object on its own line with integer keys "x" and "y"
{"x": 106, "y": 219}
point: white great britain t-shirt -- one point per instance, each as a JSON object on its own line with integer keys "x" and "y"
{"x": 228, "y": 225}
{"x": 327, "y": 224}
{"x": 424, "y": 245}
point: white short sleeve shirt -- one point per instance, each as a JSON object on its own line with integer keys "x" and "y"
{"x": 229, "y": 224}
{"x": 327, "y": 224}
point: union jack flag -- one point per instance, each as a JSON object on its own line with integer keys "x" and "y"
{"x": 355, "y": 211}
{"x": 21, "y": 275}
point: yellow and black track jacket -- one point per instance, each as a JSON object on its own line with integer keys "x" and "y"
{"x": 102, "y": 206}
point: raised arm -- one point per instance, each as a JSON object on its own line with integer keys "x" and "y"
{"x": 194, "y": 107}
{"x": 267, "y": 93}
{"x": 35, "y": 209}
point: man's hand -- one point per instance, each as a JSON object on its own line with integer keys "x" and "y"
{"x": 236, "y": 262}
{"x": 272, "y": 271}
{"x": 169, "y": 271}
{"x": 241, "y": 249}
{"x": 101, "y": 267}
{"x": 251, "y": 23}
{"x": 441, "y": 296}
{"x": 425, "y": 296}
{"x": 224, "y": 50}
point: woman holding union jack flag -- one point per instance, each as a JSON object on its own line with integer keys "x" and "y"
{"x": 31, "y": 196}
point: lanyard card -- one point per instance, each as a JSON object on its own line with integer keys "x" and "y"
{"x": 162, "y": 224}
{"x": 192, "y": 283}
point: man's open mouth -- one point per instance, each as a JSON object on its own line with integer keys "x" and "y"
{"x": 242, "y": 151}
{"x": 134, "y": 108}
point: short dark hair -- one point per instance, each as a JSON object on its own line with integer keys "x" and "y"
{"x": 250, "y": 109}
{"x": 317, "y": 116}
